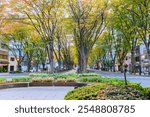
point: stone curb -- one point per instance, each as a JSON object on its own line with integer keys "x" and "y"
{"x": 31, "y": 84}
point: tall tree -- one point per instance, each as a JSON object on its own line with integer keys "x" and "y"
{"x": 89, "y": 23}
{"x": 43, "y": 15}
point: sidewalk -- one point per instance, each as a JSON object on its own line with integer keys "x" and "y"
{"x": 144, "y": 81}
{"x": 35, "y": 93}
{"x": 119, "y": 74}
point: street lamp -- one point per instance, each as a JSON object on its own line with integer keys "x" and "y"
{"x": 125, "y": 71}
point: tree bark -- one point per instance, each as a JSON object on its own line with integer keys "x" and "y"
{"x": 133, "y": 61}
{"x": 29, "y": 65}
{"x": 19, "y": 67}
{"x": 121, "y": 66}
{"x": 50, "y": 56}
{"x": 114, "y": 66}
{"x": 149, "y": 62}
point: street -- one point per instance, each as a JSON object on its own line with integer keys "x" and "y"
{"x": 143, "y": 80}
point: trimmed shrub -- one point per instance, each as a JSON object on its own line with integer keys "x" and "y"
{"x": 114, "y": 92}
{"x": 72, "y": 76}
{"x": 99, "y": 79}
{"x": 60, "y": 80}
{"x": 85, "y": 93}
{"x": 47, "y": 79}
{"x": 70, "y": 80}
{"x": 88, "y": 74}
{"x": 105, "y": 91}
{"x": 22, "y": 79}
{"x": 2, "y": 80}
{"x": 146, "y": 92}
{"x": 59, "y": 76}
{"x": 42, "y": 79}
{"x": 40, "y": 75}
{"x": 36, "y": 79}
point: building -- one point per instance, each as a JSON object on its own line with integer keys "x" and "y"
{"x": 141, "y": 60}
{"x": 4, "y": 62}
{"x": 8, "y": 62}
{"x": 12, "y": 64}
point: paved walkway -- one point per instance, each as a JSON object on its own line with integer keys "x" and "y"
{"x": 143, "y": 80}
{"x": 35, "y": 93}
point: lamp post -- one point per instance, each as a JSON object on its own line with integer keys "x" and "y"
{"x": 125, "y": 74}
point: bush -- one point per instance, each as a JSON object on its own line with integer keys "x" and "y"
{"x": 60, "y": 80}
{"x": 36, "y": 79}
{"x": 99, "y": 79}
{"x": 72, "y": 76}
{"x": 58, "y": 76}
{"x": 47, "y": 79}
{"x": 85, "y": 93}
{"x": 104, "y": 91}
{"x": 90, "y": 79}
{"x": 22, "y": 79}
{"x": 70, "y": 80}
{"x": 40, "y": 75}
{"x": 88, "y": 74}
{"x": 2, "y": 80}
{"x": 42, "y": 79}
{"x": 146, "y": 92}
{"x": 114, "y": 92}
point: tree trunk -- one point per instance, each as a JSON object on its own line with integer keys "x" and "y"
{"x": 28, "y": 62}
{"x": 19, "y": 66}
{"x": 79, "y": 69}
{"x": 149, "y": 62}
{"x": 140, "y": 68}
{"x": 59, "y": 54}
{"x": 114, "y": 66}
{"x": 51, "y": 58}
{"x": 83, "y": 59}
{"x": 133, "y": 61}
{"x": 43, "y": 66}
{"x": 19, "y": 61}
{"x": 37, "y": 67}
{"x": 29, "y": 65}
{"x": 121, "y": 66}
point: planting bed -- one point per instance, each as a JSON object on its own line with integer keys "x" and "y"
{"x": 99, "y": 87}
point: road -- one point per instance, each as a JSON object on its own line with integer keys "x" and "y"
{"x": 35, "y": 93}
{"x": 143, "y": 80}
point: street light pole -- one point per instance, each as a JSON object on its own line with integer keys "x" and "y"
{"x": 125, "y": 74}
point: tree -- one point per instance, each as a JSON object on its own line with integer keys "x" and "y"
{"x": 140, "y": 9}
{"x": 14, "y": 43}
{"x": 66, "y": 51}
{"x": 43, "y": 17}
{"x": 89, "y": 23}
{"x": 133, "y": 15}
{"x": 30, "y": 46}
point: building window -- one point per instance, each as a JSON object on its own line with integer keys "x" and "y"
{"x": 3, "y": 56}
{"x": 12, "y": 59}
